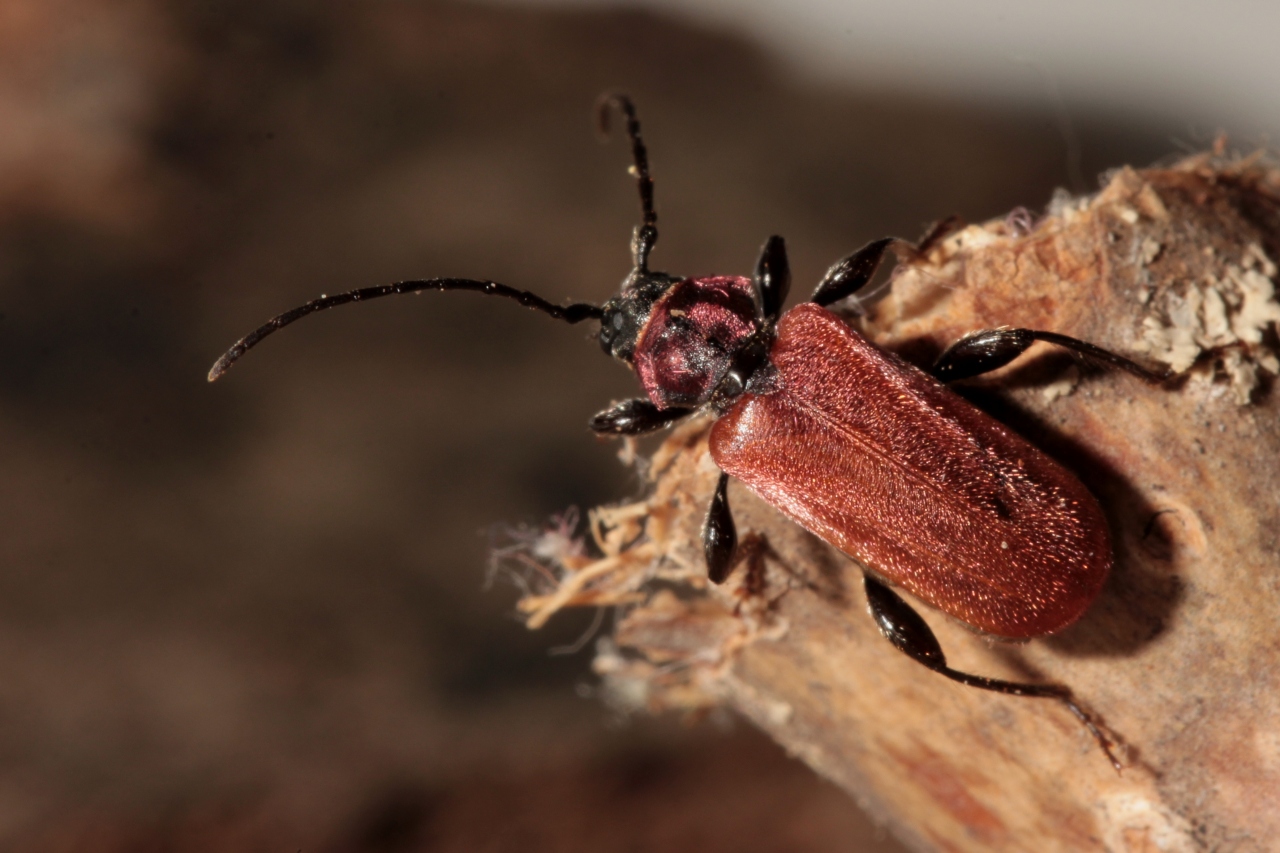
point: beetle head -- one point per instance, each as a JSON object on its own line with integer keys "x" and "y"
{"x": 627, "y": 314}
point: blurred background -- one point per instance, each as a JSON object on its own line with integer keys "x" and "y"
{"x": 254, "y": 615}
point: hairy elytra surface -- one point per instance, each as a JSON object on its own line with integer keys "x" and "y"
{"x": 884, "y": 462}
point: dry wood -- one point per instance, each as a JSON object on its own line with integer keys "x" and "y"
{"x": 1179, "y": 656}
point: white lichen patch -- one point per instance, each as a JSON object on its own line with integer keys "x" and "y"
{"x": 1061, "y": 387}
{"x": 1229, "y": 313}
{"x": 1065, "y": 206}
{"x": 1149, "y": 250}
{"x": 1242, "y": 374}
{"x": 972, "y": 238}
{"x": 1255, "y": 283}
{"x": 1136, "y": 823}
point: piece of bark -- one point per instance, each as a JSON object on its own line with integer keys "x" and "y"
{"x": 1179, "y": 656}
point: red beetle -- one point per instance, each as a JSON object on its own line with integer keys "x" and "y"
{"x": 870, "y": 453}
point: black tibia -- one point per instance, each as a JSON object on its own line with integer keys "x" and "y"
{"x": 902, "y": 626}
{"x": 574, "y": 313}
{"x": 938, "y": 232}
{"x": 751, "y": 552}
{"x": 647, "y": 233}
{"x": 719, "y": 536}
{"x": 849, "y": 275}
{"x": 772, "y": 278}
{"x": 982, "y": 352}
{"x": 635, "y": 417}
{"x": 912, "y": 636}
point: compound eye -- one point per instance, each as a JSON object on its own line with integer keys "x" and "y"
{"x": 610, "y": 326}
{"x": 619, "y": 327}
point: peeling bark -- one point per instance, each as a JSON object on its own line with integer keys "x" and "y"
{"x": 1179, "y": 655}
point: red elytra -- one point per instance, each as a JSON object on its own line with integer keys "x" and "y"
{"x": 882, "y": 461}
{"x": 870, "y": 453}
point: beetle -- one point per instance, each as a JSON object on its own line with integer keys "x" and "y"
{"x": 870, "y": 453}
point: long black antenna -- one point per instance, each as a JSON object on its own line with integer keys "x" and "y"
{"x": 574, "y": 313}
{"x": 647, "y": 234}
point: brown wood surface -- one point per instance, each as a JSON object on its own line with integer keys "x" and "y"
{"x": 1179, "y": 656}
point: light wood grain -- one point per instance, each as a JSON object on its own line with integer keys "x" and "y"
{"x": 1179, "y": 656}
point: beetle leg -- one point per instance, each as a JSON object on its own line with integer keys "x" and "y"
{"x": 849, "y": 275}
{"x": 984, "y": 351}
{"x": 719, "y": 536}
{"x": 751, "y": 552}
{"x": 912, "y": 636}
{"x": 772, "y": 278}
{"x": 939, "y": 231}
{"x": 635, "y": 417}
